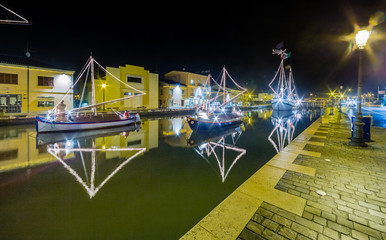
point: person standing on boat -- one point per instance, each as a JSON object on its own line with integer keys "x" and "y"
{"x": 61, "y": 112}
{"x": 126, "y": 115}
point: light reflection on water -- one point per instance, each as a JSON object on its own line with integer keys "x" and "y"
{"x": 284, "y": 123}
{"x": 158, "y": 179}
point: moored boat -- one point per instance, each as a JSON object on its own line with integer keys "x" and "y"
{"x": 284, "y": 91}
{"x": 44, "y": 125}
{"x": 279, "y": 104}
{"x": 60, "y": 120}
{"x": 222, "y": 120}
{"x": 213, "y": 115}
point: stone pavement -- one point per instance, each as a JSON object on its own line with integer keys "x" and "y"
{"x": 318, "y": 187}
{"x": 353, "y": 179}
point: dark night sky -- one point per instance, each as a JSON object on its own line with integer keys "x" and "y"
{"x": 198, "y": 36}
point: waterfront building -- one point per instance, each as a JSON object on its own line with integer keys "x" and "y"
{"x": 172, "y": 94}
{"x": 264, "y": 97}
{"x": 107, "y": 88}
{"x": 196, "y": 87}
{"x": 30, "y": 86}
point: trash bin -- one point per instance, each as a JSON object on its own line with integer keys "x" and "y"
{"x": 367, "y": 120}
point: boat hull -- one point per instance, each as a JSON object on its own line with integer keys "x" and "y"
{"x": 44, "y": 126}
{"x": 201, "y": 124}
{"x": 282, "y": 105}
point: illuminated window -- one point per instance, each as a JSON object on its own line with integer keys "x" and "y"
{"x": 191, "y": 82}
{"x": 6, "y": 78}
{"x": 45, "y": 101}
{"x": 128, "y": 93}
{"x": 45, "y": 81}
{"x": 3, "y": 101}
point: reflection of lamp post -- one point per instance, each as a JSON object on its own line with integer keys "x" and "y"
{"x": 104, "y": 89}
{"x": 332, "y": 103}
{"x": 357, "y": 138}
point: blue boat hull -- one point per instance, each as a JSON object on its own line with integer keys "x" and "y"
{"x": 282, "y": 105}
{"x": 199, "y": 124}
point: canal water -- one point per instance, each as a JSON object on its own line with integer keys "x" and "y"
{"x": 153, "y": 181}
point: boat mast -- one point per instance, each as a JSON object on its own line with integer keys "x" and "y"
{"x": 284, "y": 84}
{"x": 93, "y": 86}
{"x": 223, "y": 79}
{"x": 290, "y": 96}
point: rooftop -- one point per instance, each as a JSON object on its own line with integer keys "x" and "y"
{"x": 170, "y": 82}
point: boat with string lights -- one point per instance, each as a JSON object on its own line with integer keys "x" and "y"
{"x": 284, "y": 89}
{"x": 79, "y": 119}
{"x": 214, "y": 115}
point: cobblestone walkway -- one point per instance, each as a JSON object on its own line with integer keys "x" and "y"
{"x": 351, "y": 182}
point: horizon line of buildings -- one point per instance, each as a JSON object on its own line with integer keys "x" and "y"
{"x": 31, "y": 86}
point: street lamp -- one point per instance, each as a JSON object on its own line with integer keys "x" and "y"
{"x": 104, "y": 88}
{"x": 357, "y": 137}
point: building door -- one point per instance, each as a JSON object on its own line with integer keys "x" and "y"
{"x": 10, "y": 103}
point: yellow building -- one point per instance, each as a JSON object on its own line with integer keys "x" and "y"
{"x": 196, "y": 88}
{"x": 172, "y": 94}
{"x": 137, "y": 77}
{"x": 264, "y": 97}
{"x": 30, "y": 86}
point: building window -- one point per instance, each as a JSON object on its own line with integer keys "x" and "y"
{"x": 45, "y": 101}
{"x": 183, "y": 92}
{"x": 191, "y": 82}
{"x": 134, "y": 79}
{"x": 8, "y": 154}
{"x": 128, "y": 93}
{"x": 7, "y": 78}
{"x": 3, "y": 101}
{"x": 45, "y": 81}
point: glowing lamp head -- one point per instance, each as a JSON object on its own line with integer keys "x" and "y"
{"x": 103, "y": 85}
{"x": 361, "y": 38}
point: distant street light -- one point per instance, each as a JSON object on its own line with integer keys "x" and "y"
{"x": 357, "y": 137}
{"x": 104, "y": 89}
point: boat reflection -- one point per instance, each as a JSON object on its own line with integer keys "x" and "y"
{"x": 218, "y": 147}
{"x": 284, "y": 123}
{"x": 90, "y": 156}
{"x": 81, "y": 153}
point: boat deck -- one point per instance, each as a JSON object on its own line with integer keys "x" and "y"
{"x": 97, "y": 118}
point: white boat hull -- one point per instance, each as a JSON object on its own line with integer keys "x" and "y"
{"x": 282, "y": 105}
{"x": 43, "y": 125}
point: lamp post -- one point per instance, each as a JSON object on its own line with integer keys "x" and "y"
{"x": 104, "y": 88}
{"x": 357, "y": 138}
